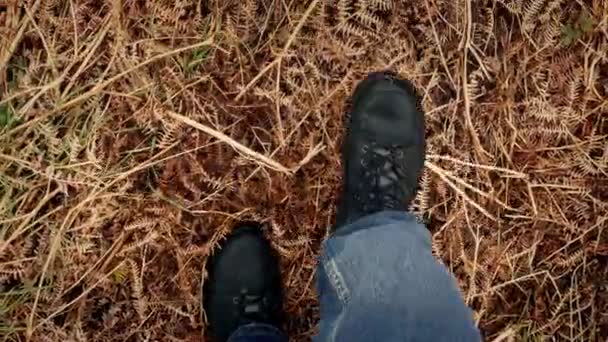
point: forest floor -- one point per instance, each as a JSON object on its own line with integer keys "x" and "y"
{"x": 135, "y": 134}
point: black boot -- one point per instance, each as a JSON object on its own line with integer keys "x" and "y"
{"x": 244, "y": 284}
{"x": 383, "y": 151}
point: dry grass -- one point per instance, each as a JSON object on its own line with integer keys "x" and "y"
{"x": 134, "y": 134}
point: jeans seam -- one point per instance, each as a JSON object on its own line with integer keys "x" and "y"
{"x": 337, "y": 325}
{"x": 383, "y": 265}
{"x": 335, "y": 277}
{"x": 338, "y": 285}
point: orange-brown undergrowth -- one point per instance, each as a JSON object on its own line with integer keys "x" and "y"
{"x": 134, "y": 134}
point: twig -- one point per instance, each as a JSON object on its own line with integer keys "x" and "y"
{"x": 45, "y": 45}
{"x": 437, "y": 42}
{"x": 507, "y": 335}
{"x": 103, "y": 260}
{"x": 277, "y": 60}
{"x": 473, "y": 275}
{"x": 256, "y": 78}
{"x": 24, "y": 224}
{"x": 532, "y": 200}
{"x": 442, "y": 174}
{"x": 479, "y": 166}
{"x": 304, "y": 118}
{"x": 98, "y": 88}
{"x": 312, "y": 152}
{"x": 54, "y": 247}
{"x": 515, "y": 281}
{"x": 82, "y": 295}
{"x": 69, "y": 217}
{"x": 11, "y": 49}
{"x": 95, "y": 44}
{"x": 466, "y": 45}
{"x": 277, "y": 101}
{"x": 19, "y": 94}
{"x": 598, "y": 224}
{"x": 478, "y": 191}
{"x": 233, "y": 143}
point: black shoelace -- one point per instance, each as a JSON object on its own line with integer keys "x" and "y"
{"x": 382, "y": 173}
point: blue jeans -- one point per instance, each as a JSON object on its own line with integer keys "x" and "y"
{"x": 378, "y": 281}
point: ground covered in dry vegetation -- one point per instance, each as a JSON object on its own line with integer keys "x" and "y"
{"x": 134, "y": 134}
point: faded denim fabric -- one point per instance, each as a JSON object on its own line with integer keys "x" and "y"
{"x": 378, "y": 281}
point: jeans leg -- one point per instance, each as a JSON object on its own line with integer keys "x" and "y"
{"x": 256, "y": 332}
{"x": 378, "y": 281}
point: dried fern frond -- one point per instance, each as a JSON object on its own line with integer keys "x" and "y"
{"x": 474, "y": 88}
{"x": 369, "y": 20}
{"x": 422, "y": 200}
{"x": 74, "y": 147}
{"x": 551, "y": 33}
{"x": 541, "y": 109}
{"x": 138, "y": 290}
{"x": 49, "y": 134}
{"x": 575, "y": 83}
{"x": 146, "y": 222}
{"x": 368, "y": 36}
{"x": 559, "y": 306}
{"x": 169, "y": 134}
{"x": 12, "y": 272}
{"x": 119, "y": 181}
{"x": 380, "y": 5}
{"x": 573, "y": 259}
{"x": 531, "y": 9}
{"x": 588, "y": 166}
{"x": 437, "y": 247}
{"x": 541, "y": 80}
{"x": 345, "y": 10}
{"x": 149, "y": 239}
{"x": 548, "y": 11}
{"x": 173, "y": 309}
{"x": 514, "y": 6}
{"x": 582, "y": 211}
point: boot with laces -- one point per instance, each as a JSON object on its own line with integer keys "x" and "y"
{"x": 244, "y": 284}
{"x": 384, "y": 147}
